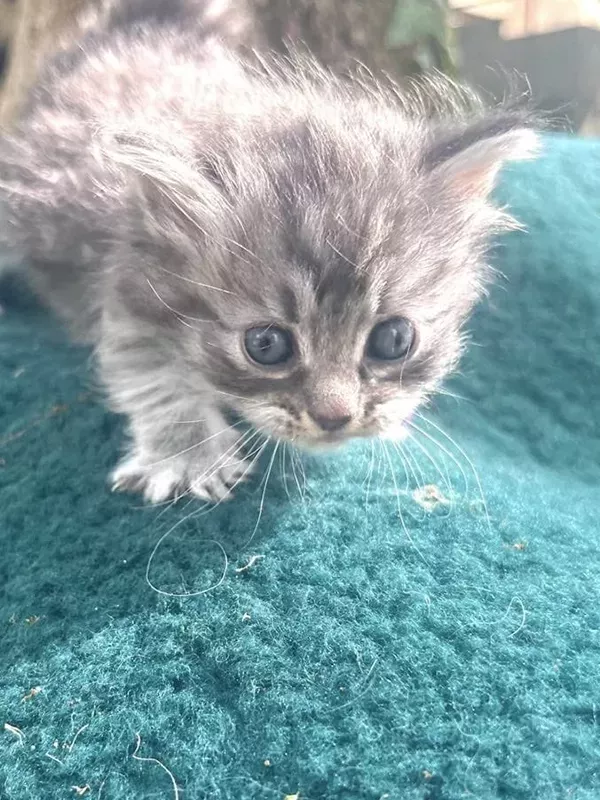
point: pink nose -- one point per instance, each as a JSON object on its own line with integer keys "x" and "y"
{"x": 332, "y": 403}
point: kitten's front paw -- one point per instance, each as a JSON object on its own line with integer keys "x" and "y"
{"x": 161, "y": 481}
{"x": 220, "y": 484}
{"x": 156, "y": 483}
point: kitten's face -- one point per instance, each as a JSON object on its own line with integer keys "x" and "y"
{"x": 323, "y": 344}
{"x": 340, "y": 278}
{"x": 352, "y": 387}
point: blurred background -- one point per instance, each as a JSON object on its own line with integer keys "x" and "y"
{"x": 553, "y": 45}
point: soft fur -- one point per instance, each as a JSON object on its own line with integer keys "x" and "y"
{"x": 169, "y": 195}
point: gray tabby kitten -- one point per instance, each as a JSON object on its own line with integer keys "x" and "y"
{"x": 249, "y": 237}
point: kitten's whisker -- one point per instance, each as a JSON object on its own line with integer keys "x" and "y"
{"x": 184, "y": 594}
{"x": 188, "y": 492}
{"x": 190, "y": 448}
{"x": 369, "y": 472}
{"x": 230, "y": 453}
{"x": 407, "y": 461}
{"x": 445, "y": 477}
{"x": 406, "y": 464}
{"x": 241, "y": 246}
{"x": 264, "y": 491}
{"x": 206, "y": 508}
{"x": 197, "y": 283}
{"x": 221, "y": 460}
{"x": 341, "y": 255}
{"x": 467, "y": 459}
{"x": 187, "y": 324}
{"x": 367, "y": 481}
{"x": 200, "y": 421}
{"x": 282, "y": 460}
{"x": 446, "y": 393}
{"x": 204, "y": 232}
{"x": 251, "y": 462}
{"x": 446, "y": 452}
{"x": 257, "y": 403}
{"x": 300, "y": 464}
{"x": 399, "y": 505}
{"x": 180, "y": 316}
{"x": 410, "y": 455}
{"x": 208, "y": 505}
{"x": 293, "y": 457}
{"x": 239, "y": 443}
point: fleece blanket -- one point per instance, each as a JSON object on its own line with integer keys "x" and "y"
{"x": 415, "y": 624}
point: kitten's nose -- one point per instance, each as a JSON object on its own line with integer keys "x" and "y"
{"x": 331, "y": 423}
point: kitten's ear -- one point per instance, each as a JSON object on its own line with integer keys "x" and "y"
{"x": 172, "y": 188}
{"x": 469, "y": 161}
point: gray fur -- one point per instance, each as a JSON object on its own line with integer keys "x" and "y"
{"x": 167, "y": 195}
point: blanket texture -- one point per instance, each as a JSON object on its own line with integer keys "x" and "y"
{"x": 377, "y": 634}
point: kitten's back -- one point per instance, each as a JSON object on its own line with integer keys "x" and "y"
{"x": 132, "y": 66}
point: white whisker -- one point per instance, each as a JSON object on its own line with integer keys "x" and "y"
{"x": 184, "y": 594}
{"x": 197, "y": 283}
{"x": 257, "y": 403}
{"x": 282, "y": 460}
{"x": 241, "y": 246}
{"x": 252, "y": 458}
{"x": 467, "y": 459}
{"x": 399, "y": 505}
{"x": 446, "y": 452}
{"x": 178, "y": 314}
{"x": 207, "y": 508}
{"x": 240, "y": 443}
{"x": 204, "y": 232}
{"x": 243, "y": 440}
{"x": 454, "y": 396}
{"x": 341, "y": 255}
{"x": 191, "y": 447}
{"x": 293, "y": 457}
{"x": 264, "y": 491}
{"x": 445, "y": 477}
{"x": 369, "y": 475}
{"x": 406, "y": 464}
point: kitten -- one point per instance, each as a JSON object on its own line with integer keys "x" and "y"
{"x": 254, "y": 237}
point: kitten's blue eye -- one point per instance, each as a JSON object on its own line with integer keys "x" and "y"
{"x": 269, "y": 345}
{"x": 391, "y": 340}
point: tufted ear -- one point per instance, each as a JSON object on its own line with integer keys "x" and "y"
{"x": 174, "y": 191}
{"x": 469, "y": 161}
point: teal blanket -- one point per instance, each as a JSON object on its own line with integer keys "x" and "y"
{"x": 362, "y": 627}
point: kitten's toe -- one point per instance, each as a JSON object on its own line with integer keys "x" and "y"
{"x": 171, "y": 479}
{"x": 164, "y": 484}
{"x": 156, "y": 483}
{"x": 220, "y": 485}
{"x": 127, "y": 476}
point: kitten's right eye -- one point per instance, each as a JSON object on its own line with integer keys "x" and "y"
{"x": 269, "y": 345}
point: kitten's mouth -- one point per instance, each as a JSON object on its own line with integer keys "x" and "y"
{"x": 330, "y": 441}
{"x": 322, "y": 443}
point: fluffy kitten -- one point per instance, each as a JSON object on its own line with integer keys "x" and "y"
{"x": 259, "y": 238}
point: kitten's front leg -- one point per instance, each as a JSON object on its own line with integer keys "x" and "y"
{"x": 181, "y": 444}
{"x": 208, "y": 463}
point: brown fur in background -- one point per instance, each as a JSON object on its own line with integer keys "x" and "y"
{"x": 336, "y": 31}
{"x": 30, "y": 29}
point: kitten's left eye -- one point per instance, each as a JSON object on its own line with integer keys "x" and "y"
{"x": 269, "y": 345}
{"x": 391, "y": 340}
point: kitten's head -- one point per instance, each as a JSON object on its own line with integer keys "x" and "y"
{"x": 317, "y": 269}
